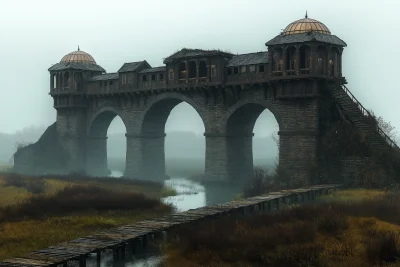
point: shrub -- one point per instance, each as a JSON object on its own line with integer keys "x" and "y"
{"x": 332, "y": 223}
{"x": 75, "y": 199}
{"x": 13, "y": 179}
{"x": 258, "y": 183}
{"x": 35, "y": 186}
{"x": 383, "y": 247}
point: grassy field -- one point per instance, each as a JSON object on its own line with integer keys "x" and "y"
{"x": 352, "y": 228}
{"x": 37, "y": 213}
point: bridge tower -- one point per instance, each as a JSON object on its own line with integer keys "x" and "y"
{"x": 303, "y": 59}
{"x": 67, "y": 87}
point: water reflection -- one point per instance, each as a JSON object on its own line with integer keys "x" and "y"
{"x": 190, "y": 195}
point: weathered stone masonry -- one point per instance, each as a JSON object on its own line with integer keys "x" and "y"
{"x": 228, "y": 92}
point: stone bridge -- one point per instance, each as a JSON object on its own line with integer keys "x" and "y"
{"x": 303, "y": 65}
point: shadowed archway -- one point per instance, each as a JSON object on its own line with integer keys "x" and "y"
{"x": 146, "y": 147}
{"x": 239, "y": 128}
{"x": 96, "y": 145}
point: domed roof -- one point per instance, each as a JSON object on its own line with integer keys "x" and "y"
{"x": 78, "y": 56}
{"x": 306, "y": 25}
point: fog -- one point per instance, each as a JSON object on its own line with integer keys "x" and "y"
{"x": 37, "y": 34}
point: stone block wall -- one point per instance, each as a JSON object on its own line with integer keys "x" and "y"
{"x": 228, "y": 124}
{"x": 44, "y": 156}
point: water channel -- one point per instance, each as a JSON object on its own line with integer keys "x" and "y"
{"x": 190, "y": 195}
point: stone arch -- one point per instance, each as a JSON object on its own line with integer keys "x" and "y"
{"x": 238, "y": 125}
{"x": 100, "y": 120}
{"x": 96, "y": 140}
{"x": 247, "y": 112}
{"x": 157, "y": 111}
{"x": 146, "y": 143}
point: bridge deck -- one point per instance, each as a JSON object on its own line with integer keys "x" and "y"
{"x": 80, "y": 248}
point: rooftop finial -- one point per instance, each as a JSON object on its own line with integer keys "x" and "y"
{"x": 306, "y": 14}
{"x": 78, "y": 48}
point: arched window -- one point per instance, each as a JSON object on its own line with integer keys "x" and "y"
{"x": 277, "y": 61}
{"x": 182, "y": 71}
{"x": 60, "y": 81}
{"x": 321, "y": 60}
{"x": 78, "y": 78}
{"x": 66, "y": 79}
{"x": 334, "y": 62}
{"x": 290, "y": 60}
{"x": 305, "y": 59}
{"x": 53, "y": 81}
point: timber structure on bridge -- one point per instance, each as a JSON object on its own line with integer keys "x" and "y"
{"x": 301, "y": 65}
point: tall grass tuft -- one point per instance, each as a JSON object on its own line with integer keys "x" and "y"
{"x": 76, "y": 199}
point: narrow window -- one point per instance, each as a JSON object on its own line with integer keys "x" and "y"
{"x": 54, "y": 85}
{"x": 235, "y": 70}
{"x": 182, "y": 71}
{"x": 202, "y": 69}
{"x": 261, "y": 68}
{"x": 144, "y": 78}
{"x": 213, "y": 71}
{"x": 130, "y": 78}
{"x": 243, "y": 69}
{"x": 111, "y": 82}
{"x": 171, "y": 74}
{"x": 252, "y": 68}
{"x": 192, "y": 69}
{"x": 153, "y": 77}
{"x": 101, "y": 84}
{"x": 229, "y": 71}
{"x": 161, "y": 76}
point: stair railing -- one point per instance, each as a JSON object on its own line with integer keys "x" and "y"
{"x": 365, "y": 112}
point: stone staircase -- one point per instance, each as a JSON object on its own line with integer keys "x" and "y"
{"x": 362, "y": 119}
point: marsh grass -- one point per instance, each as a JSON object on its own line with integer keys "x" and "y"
{"x": 68, "y": 207}
{"x": 77, "y": 199}
{"x": 332, "y": 234}
{"x": 20, "y": 238}
{"x": 15, "y": 188}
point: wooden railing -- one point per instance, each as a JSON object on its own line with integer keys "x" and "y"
{"x": 366, "y": 113}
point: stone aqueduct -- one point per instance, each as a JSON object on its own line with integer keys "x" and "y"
{"x": 228, "y": 92}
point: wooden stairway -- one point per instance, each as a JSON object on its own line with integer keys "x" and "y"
{"x": 362, "y": 119}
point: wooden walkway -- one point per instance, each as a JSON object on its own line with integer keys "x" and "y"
{"x": 125, "y": 241}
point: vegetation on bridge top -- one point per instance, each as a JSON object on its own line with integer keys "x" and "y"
{"x": 364, "y": 232}
{"x": 37, "y": 212}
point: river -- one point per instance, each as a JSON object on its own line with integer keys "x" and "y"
{"x": 190, "y": 195}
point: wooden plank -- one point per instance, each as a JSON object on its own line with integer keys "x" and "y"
{"x": 34, "y": 262}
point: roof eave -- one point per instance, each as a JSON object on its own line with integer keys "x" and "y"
{"x": 172, "y": 58}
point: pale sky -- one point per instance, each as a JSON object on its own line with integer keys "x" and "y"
{"x": 36, "y": 34}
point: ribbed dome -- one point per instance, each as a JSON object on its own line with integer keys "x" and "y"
{"x": 306, "y": 25}
{"x": 78, "y": 56}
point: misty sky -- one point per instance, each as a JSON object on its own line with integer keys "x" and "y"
{"x": 36, "y": 34}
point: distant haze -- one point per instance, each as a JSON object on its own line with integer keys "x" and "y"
{"x": 178, "y": 144}
{"x": 37, "y": 34}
